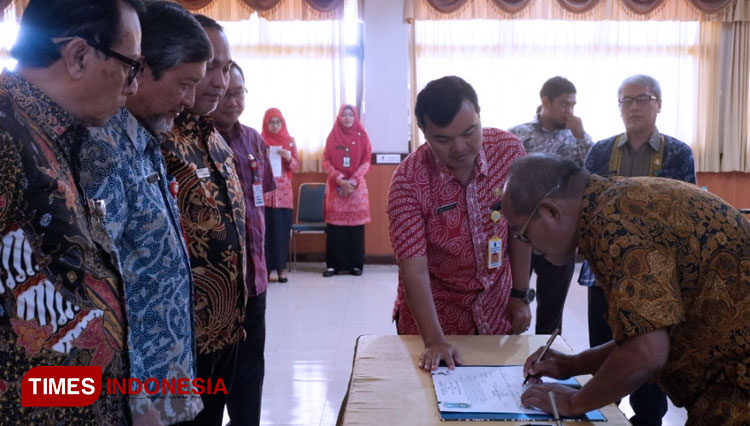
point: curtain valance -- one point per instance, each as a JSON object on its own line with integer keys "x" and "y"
{"x": 237, "y": 10}
{"x": 616, "y": 10}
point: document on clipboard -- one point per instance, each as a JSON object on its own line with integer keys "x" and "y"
{"x": 489, "y": 392}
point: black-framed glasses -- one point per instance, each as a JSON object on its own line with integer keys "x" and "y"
{"x": 521, "y": 235}
{"x": 134, "y": 65}
{"x": 640, "y": 100}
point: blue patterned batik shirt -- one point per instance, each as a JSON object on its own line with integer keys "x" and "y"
{"x": 122, "y": 166}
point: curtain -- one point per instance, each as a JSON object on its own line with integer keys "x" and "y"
{"x": 613, "y": 10}
{"x": 272, "y": 10}
{"x": 296, "y": 67}
{"x": 508, "y": 61}
{"x": 723, "y": 138}
{"x": 238, "y": 10}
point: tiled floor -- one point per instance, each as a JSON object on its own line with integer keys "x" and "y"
{"x": 312, "y": 323}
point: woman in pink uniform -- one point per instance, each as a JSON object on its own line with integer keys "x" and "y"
{"x": 279, "y": 203}
{"x": 347, "y": 207}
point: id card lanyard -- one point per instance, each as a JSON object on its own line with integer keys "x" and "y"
{"x": 495, "y": 243}
{"x": 257, "y": 186}
{"x": 347, "y": 159}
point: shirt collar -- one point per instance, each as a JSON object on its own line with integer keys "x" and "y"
{"x": 653, "y": 141}
{"x": 190, "y": 123}
{"x": 594, "y": 187}
{"x": 137, "y": 133}
{"x": 51, "y": 118}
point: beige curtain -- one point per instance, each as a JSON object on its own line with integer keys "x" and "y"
{"x": 614, "y": 10}
{"x": 507, "y": 61}
{"x": 296, "y": 67}
{"x": 284, "y": 10}
{"x": 238, "y": 10}
{"x": 723, "y": 138}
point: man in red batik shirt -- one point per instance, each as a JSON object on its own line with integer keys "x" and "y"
{"x": 447, "y": 230}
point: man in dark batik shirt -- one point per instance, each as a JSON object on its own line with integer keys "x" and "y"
{"x": 212, "y": 212}
{"x": 61, "y": 300}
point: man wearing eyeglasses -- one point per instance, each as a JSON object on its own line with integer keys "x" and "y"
{"x": 555, "y": 130}
{"x": 61, "y": 298}
{"x": 254, "y": 170}
{"x": 641, "y": 151}
{"x": 123, "y": 168}
{"x": 459, "y": 270}
{"x": 673, "y": 262}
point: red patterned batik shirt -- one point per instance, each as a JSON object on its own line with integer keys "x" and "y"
{"x": 431, "y": 214}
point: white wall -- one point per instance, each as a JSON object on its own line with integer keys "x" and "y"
{"x": 386, "y": 75}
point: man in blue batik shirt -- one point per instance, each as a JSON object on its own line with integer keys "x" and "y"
{"x": 123, "y": 166}
{"x": 554, "y": 130}
{"x": 640, "y": 151}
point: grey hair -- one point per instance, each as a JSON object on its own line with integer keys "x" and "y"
{"x": 532, "y": 177}
{"x": 641, "y": 80}
{"x": 171, "y": 36}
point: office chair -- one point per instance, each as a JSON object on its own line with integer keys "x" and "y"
{"x": 310, "y": 220}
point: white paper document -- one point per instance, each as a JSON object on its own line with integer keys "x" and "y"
{"x": 275, "y": 158}
{"x": 481, "y": 389}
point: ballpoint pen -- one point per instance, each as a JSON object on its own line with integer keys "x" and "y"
{"x": 544, "y": 351}
{"x": 555, "y": 411}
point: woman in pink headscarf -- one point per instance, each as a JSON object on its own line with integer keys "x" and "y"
{"x": 279, "y": 203}
{"x": 347, "y": 207}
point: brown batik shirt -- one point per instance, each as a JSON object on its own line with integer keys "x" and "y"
{"x": 212, "y": 213}
{"x": 668, "y": 255}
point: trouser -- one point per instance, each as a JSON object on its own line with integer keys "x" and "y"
{"x": 345, "y": 247}
{"x": 552, "y": 284}
{"x": 649, "y": 402}
{"x": 245, "y": 395}
{"x": 278, "y": 223}
{"x": 215, "y": 365}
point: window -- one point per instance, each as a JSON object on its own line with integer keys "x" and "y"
{"x": 8, "y": 32}
{"x": 307, "y": 69}
{"x": 508, "y": 61}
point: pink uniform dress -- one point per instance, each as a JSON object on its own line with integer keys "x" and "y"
{"x": 347, "y": 156}
{"x": 280, "y": 202}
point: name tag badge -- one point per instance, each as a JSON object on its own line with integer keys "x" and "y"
{"x": 258, "y": 195}
{"x": 494, "y": 252}
{"x": 202, "y": 173}
{"x": 446, "y": 208}
{"x": 347, "y": 162}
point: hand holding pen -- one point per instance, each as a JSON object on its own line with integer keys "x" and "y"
{"x": 544, "y": 351}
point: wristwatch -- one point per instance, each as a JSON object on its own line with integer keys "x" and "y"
{"x": 527, "y": 295}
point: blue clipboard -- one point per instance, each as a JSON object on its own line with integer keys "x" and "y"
{"x": 591, "y": 416}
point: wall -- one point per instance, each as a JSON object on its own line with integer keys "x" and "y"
{"x": 732, "y": 187}
{"x": 377, "y": 241}
{"x": 386, "y": 76}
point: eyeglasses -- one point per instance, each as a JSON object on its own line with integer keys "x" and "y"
{"x": 521, "y": 235}
{"x": 134, "y": 65}
{"x": 640, "y": 100}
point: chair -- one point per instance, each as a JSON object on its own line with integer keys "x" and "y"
{"x": 310, "y": 220}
